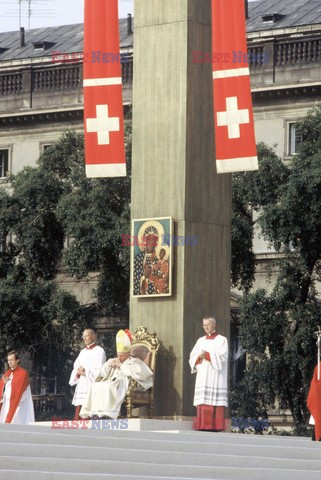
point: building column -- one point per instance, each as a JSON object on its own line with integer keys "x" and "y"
{"x": 173, "y": 174}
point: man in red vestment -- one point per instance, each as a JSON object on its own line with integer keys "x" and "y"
{"x": 314, "y": 402}
{"x": 15, "y": 395}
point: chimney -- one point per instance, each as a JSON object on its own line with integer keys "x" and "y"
{"x": 22, "y": 37}
{"x": 246, "y": 9}
{"x": 129, "y": 24}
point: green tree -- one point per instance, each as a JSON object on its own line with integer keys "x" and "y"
{"x": 35, "y": 315}
{"x": 251, "y": 191}
{"x": 277, "y": 329}
{"x": 58, "y": 219}
{"x": 94, "y": 214}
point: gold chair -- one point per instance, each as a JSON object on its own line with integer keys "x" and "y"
{"x": 135, "y": 398}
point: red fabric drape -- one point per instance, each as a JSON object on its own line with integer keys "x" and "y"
{"x": 19, "y": 384}
{"x": 233, "y": 112}
{"x": 103, "y": 104}
{"x": 314, "y": 402}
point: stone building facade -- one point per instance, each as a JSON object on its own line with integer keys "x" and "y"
{"x": 284, "y": 40}
{"x": 41, "y": 91}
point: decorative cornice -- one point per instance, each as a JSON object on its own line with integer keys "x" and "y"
{"x": 285, "y": 91}
{"x": 50, "y": 116}
{"x": 284, "y": 32}
{"x": 41, "y": 117}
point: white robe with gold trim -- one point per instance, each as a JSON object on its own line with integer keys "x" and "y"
{"x": 105, "y": 397}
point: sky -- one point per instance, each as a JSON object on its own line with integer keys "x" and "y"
{"x": 48, "y": 13}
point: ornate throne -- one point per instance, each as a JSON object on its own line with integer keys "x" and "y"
{"x": 134, "y": 397}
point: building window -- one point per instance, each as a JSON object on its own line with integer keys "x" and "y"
{"x": 272, "y": 17}
{"x": 44, "y": 147}
{"x": 294, "y": 137}
{"x": 4, "y": 163}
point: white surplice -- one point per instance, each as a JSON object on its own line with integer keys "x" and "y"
{"x": 211, "y": 377}
{"x": 24, "y": 413}
{"x": 106, "y": 396}
{"x": 91, "y": 359}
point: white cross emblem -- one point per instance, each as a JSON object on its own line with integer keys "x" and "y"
{"x": 232, "y": 118}
{"x": 102, "y": 124}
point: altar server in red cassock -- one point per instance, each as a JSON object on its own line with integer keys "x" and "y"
{"x": 15, "y": 394}
{"x": 86, "y": 368}
{"x": 314, "y": 402}
{"x": 209, "y": 360}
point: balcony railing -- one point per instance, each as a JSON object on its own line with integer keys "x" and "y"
{"x": 266, "y": 61}
{"x": 302, "y": 51}
{"x": 53, "y": 78}
{"x": 56, "y": 79}
{"x": 11, "y": 83}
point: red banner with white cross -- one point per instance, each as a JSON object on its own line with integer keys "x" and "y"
{"x": 233, "y": 111}
{"x": 103, "y": 103}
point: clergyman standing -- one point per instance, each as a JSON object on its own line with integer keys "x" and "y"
{"x": 209, "y": 360}
{"x": 86, "y": 368}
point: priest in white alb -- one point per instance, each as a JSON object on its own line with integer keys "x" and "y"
{"x": 107, "y": 394}
{"x": 86, "y": 368}
{"x": 209, "y": 360}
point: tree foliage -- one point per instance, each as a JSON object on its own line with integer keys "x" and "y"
{"x": 251, "y": 191}
{"x": 94, "y": 213}
{"x": 276, "y": 329}
{"x": 57, "y": 219}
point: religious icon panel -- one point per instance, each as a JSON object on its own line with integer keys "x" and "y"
{"x": 151, "y": 257}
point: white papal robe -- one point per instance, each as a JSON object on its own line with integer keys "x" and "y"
{"x": 211, "y": 376}
{"x": 106, "y": 396}
{"x": 91, "y": 359}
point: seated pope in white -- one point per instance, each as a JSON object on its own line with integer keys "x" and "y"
{"x": 108, "y": 392}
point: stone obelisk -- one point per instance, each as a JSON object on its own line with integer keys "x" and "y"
{"x": 173, "y": 174}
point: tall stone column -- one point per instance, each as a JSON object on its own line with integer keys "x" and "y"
{"x": 173, "y": 174}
